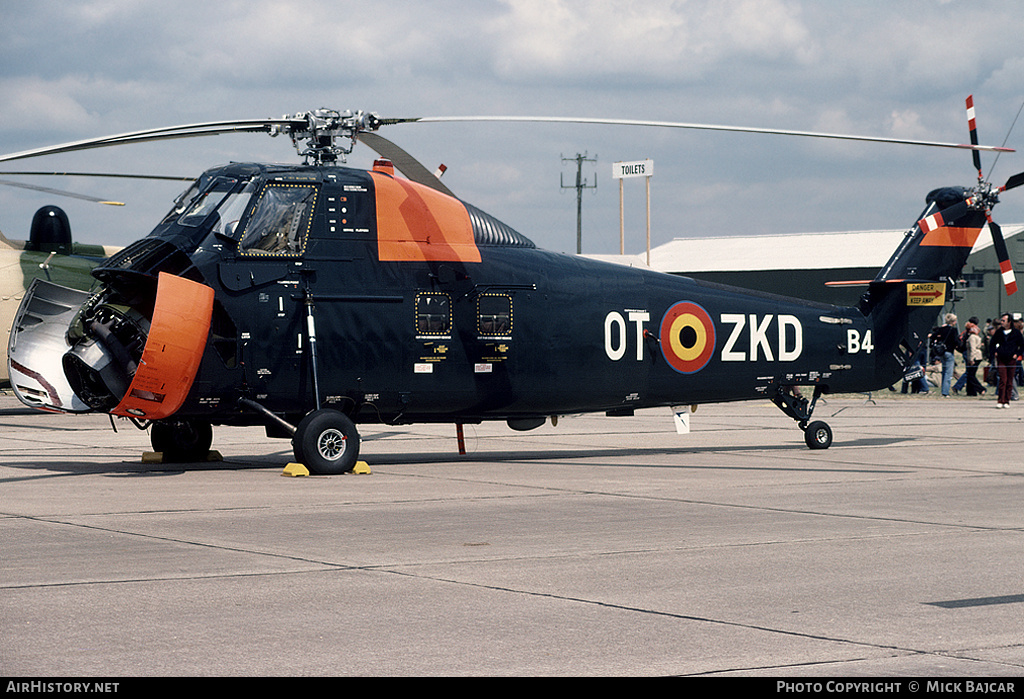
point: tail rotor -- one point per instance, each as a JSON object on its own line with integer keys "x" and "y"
{"x": 982, "y": 197}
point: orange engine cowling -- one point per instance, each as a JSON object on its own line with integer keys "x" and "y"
{"x": 174, "y": 348}
{"x": 73, "y": 352}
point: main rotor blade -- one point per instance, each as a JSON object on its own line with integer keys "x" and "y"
{"x": 164, "y": 133}
{"x": 61, "y": 193}
{"x": 1005, "y": 267}
{"x": 300, "y": 124}
{"x": 405, "y": 163}
{"x": 703, "y": 127}
{"x": 24, "y": 173}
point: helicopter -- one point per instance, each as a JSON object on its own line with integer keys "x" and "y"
{"x": 311, "y": 298}
{"x": 49, "y": 253}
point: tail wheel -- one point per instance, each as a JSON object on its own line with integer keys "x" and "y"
{"x": 182, "y": 440}
{"x": 818, "y": 435}
{"x": 326, "y": 442}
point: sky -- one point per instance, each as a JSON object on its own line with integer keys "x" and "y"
{"x": 70, "y": 71}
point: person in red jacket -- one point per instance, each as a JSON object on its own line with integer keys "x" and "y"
{"x": 1006, "y": 349}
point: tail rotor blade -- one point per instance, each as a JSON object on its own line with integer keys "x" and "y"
{"x": 1005, "y": 268}
{"x": 944, "y": 217}
{"x": 973, "y": 126}
{"x": 1015, "y": 181}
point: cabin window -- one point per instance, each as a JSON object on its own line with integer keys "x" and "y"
{"x": 280, "y": 223}
{"x": 433, "y": 314}
{"x": 494, "y": 315}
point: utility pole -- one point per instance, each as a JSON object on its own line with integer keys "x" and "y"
{"x": 580, "y": 185}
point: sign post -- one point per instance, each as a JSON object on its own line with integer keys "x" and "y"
{"x": 621, "y": 171}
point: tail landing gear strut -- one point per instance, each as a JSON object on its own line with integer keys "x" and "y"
{"x": 817, "y": 434}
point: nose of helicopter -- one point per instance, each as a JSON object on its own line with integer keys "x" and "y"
{"x": 42, "y": 362}
{"x": 174, "y": 349}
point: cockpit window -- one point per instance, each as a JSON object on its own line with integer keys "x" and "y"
{"x": 183, "y": 202}
{"x": 280, "y": 222}
{"x": 231, "y": 211}
{"x": 206, "y": 203}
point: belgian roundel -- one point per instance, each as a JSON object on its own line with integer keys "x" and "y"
{"x": 687, "y": 337}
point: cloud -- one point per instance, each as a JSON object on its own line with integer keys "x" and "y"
{"x": 42, "y": 104}
{"x": 1008, "y": 78}
{"x": 74, "y": 70}
{"x": 657, "y": 41}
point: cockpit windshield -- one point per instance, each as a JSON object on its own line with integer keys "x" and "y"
{"x": 206, "y": 202}
{"x": 184, "y": 201}
{"x": 216, "y": 207}
{"x": 231, "y": 210}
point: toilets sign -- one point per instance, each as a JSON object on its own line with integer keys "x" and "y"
{"x": 622, "y": 171}
{"x": 638, "y": 168}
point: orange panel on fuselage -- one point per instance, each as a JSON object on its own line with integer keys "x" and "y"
{"x": 417, "y": 224}
{"x": 174, "y": 348}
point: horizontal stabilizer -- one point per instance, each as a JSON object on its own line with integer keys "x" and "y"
{"x": 849, "y": 282}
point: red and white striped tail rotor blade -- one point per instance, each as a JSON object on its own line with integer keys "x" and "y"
{"x": 972, "y": 125}
{"x": 931, "y": 223}
{"x": 943, "y": 218}
{"x": 1005, "y": 267}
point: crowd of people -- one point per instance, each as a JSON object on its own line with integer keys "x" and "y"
{"x": 995, "y": 349}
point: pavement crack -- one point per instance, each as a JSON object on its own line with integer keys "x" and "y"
{"x": 664, "y": 614}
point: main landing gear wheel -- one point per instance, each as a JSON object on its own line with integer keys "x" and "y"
{"x": 818, "y": 435}
{"x": 326, "y": 442}
{"x": 182, "y": 441}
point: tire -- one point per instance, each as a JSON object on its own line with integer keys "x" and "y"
{"x": 818, "y": 435}
{"x": 326, "y": 442}
{"x": 182, "y": 441}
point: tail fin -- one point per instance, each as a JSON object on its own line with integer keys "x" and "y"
{"x": 910, "y": 290}
{"x": 936, "y": 249}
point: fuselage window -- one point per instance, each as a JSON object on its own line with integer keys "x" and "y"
{"x": 280, "y": 223}
{"x": 433, "y": 314}
{"x": 494, "y": 315}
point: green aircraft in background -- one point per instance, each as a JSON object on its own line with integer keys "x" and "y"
{"x": 50, "y": 254}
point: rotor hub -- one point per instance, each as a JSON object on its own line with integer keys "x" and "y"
{"x": 315, "y": 134}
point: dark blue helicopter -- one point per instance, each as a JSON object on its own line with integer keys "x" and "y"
{"x": 311, "y": 298}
